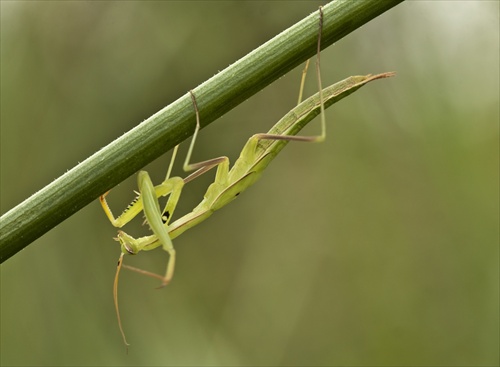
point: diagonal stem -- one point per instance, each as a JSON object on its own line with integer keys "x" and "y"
{"x": 168, "y": 127}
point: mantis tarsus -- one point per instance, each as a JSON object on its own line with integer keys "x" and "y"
{"x": 256, "y": 155}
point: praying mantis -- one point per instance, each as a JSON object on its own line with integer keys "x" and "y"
{"x": 256, "y": 155}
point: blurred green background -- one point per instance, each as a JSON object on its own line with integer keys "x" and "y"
{"x": 378, "y": 247}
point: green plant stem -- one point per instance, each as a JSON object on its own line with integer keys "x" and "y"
{"x": 174, "y": 123}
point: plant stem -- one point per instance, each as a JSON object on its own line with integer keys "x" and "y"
{"x": 174, "y": 123}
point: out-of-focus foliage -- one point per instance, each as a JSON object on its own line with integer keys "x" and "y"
{"x": 378, "y": 247}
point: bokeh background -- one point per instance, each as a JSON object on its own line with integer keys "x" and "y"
{"x": 378, "y": 247}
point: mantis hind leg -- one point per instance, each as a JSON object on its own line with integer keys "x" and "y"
{"x": 222, "y": 162}
{"x": 322, "y": 136}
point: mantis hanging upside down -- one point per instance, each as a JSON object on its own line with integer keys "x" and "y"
{"x": 256, "y": 155}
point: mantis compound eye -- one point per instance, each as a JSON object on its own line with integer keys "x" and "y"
{"x": 126, "y": 245}
{"x": 128, "y": 249}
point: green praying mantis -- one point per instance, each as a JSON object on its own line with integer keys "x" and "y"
{"x": 256, "y": 155}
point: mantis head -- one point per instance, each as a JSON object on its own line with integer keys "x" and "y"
{"x": 128, "y": 243}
